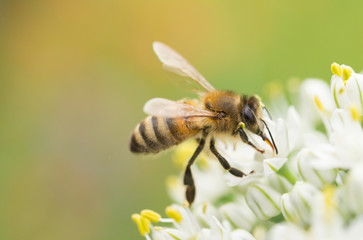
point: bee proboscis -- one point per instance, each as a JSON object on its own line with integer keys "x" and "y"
{"x": 172, "y": 122}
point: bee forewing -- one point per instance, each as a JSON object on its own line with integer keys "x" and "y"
{"x": 171, "y": 109}
{"x": 175, "y": 63}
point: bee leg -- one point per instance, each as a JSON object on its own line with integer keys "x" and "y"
{"x": 246, "y": 140}
{"x": 188, "y": 177}
{"x": 224, "y": 162}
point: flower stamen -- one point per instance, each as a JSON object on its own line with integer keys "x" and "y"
{"x": 347, "y": 72}
{"x": 143, "y": 224}
{"x": 355, "y": 113}
{"x": 151, "y": 215}
{"x": 336, "y": 69}
{"x": 173, "y": 213}
{"x": 319, "y": 104}
{"x": 328, "y": 199}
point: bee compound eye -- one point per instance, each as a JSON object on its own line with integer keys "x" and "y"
{"x": 248, "y": 116}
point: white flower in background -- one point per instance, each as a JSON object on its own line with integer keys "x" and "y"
{"x": 315, "y": 103}
{"x": 312, "y": 174}
{"x": 347, "y": 88}
{"x": 295, "y": 205}
{"x": 239, "y": 214}
{"x": 347, "y": 138}
{"x": 263, "y": 201}
{"x": 323, "y": 217}
{"x": 311, "y": 189}
{"x": 352, "y": 193}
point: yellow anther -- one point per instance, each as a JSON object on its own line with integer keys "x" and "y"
{"x": 355, "y": 113}
{"x": 241, "y": 125}
{"x": 328, "y": 199}
{"x": 347, "y": 72}
{"x": 328, "y": 194}
{"x": 142, "y": 223}
{"x": 174, "y": 214}
{"x": 146, "y": 223}
{"x": 135, "y": 217}
{"x": 205, "y": 205}
{"x": 151, "y": 215}
{"x": 336, "y": 69}
{"x": 319, "y": 104}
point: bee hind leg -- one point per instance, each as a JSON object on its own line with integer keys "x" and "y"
{"x": 224, "y": 162}
{"x": 188, "y": 177}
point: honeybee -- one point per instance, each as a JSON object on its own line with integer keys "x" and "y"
{"x": 171, "y": 122}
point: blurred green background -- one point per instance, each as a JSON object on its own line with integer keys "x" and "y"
{"x": 74, "y": 76}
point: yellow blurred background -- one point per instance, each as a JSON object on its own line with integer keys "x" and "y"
{"x": 74, "y": 76}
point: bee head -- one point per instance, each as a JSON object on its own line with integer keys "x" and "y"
{"x": 251, "y": 115}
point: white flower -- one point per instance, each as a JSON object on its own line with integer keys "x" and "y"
{"x": 354, "y": 191}
{"x": 309, "y": 173}
{"x": 343, "y": 148}
{"x": 239, "y": 214}
{"x": 295, "y": 205}
{"x": 316, "y": 102}
{"x": 347, "y": 88}
{"x": 347, "y": 139}
{"x": 286, "y": 231}
{"x": 278, "y": 183}
{"x": 326, "y": 222}
{"x": 263, "y": 200}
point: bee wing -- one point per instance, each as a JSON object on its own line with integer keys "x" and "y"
{"x": 175, "y": 63}
{"x": 171, "y": 109}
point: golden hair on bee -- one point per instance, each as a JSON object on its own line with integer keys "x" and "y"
{"x": 172, "y": 122}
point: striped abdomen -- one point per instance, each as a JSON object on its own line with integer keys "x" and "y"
{"x": 155, "y": 134}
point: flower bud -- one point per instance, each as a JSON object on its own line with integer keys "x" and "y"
{"x": 354, "y": 190}
{"x": 317, "y": 176}
{"x": 240, "y": 215}
{"x": 279, "y": 183}
{"x": 263, "y": 201}
{"x": 296, "y": 205}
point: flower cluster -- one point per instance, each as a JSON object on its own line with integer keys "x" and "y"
{"x": 312, "y": 189}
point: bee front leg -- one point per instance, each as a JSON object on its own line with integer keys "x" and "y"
{"x": 224, "y": 162}
{"x": 188, "y": 177}
{"x": 245, "y": 139}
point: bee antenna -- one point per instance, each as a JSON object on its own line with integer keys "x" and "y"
{"x": 273, "y": 142}
{"x": 268, "y": 113}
